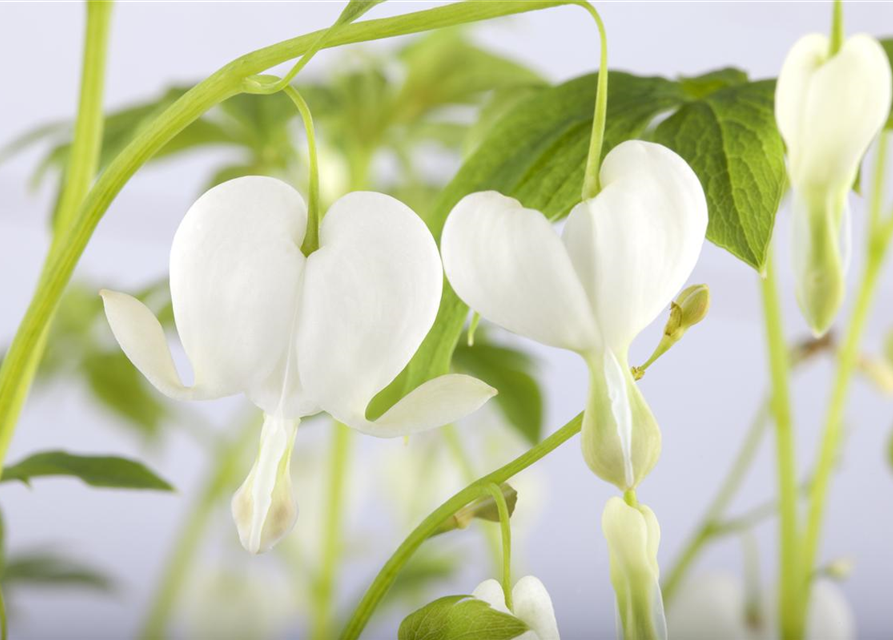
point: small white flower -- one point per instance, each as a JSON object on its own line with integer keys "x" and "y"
{"x": 623, "y": 256}
{"x": 828, "y": 110}
{"x": 532, "y": 606}
{"x": 296, "y": 334}
{"x": 715, "y": 606}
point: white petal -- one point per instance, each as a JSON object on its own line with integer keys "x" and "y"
{"x": 508, "y": 264}
{"x": 490, "y": 591}
{"x": 264, "y": 508}
{"x": 142, "y": 339}
{"x": 830, "y": 615}
{"x": 432, "y": 404}
{"x": 829, "y": 110}
{"x": 634, "y": 245}
{"x": 236, "y": 269}
{"x": 371, "y": 293}
{"x": 534, "y": 607}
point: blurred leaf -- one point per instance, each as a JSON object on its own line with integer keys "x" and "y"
{"x": 698, "y": 87}
{"x": 32, "y": 137}
{"x": 731, "y": 141}
{"x": 455, "y": 617}
{"x": 509, "y": 371}
{"x": 98, "y": 471}
{"x": 501, "y": 102}
{"x": 121, "y": 388}
{"x": 52, "y": 570}
{"x": 887, "y": 44}
{"x": 424, "y": 571}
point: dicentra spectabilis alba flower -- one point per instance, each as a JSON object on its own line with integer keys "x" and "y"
{"x": 531, "y": 605}
{"x": 828, "y": 109}
{"x": 296, "y": 334}
{"x": 633, "y": 536}
{"x": 623, "y": 256}
{"x": 716, "y": 606}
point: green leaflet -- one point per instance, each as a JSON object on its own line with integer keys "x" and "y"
{"x": 98, "y": 471}
{"x": 454, "y": 617}
{"x": 47, "y": 569}
{"x": 731, "y": 141}
{"x": 509, "y": 371}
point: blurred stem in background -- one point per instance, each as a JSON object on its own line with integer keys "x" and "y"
{"x": 324, "y": 592}
{"x": 880, "y": 229}
{"x": 186, "y": 548}
{"x": 780, "y": 403}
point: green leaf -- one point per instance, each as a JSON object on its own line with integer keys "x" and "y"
{"x": 355, "y": 9}
{"x": 52, "y": 570}
{"x": 122, "y": 389}
{"x": 508, "y": 371}
{"x": 98, "y": 471}
{"x": 731, "y": 141}
{"x": 455, "y": 617}
{"x": 537, "y": 154}
{"x": 698, "y": 87}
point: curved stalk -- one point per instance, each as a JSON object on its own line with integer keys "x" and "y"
{"x": 779, "y": 368}
{"x": 591, "y": 185}
{"x": 19, "y": 365}
{"x": 430, "y": 525}
{"x": 311, "y": 238}
{"x": 505, "y": 528}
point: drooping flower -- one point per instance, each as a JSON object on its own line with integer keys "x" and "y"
{"x": 531, "y": 605}
{"x": 633, "y": 536}
{"x": 828, "y": 109}
{"x": 716, "y": 606}
{"x": 622, "y": 257}
{"x": 296, "y": 334}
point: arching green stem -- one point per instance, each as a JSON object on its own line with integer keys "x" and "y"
{"x": 505, "y": 527}
{"x": 591, "y": 185}
{"x": 311, "y": 239}
{"x": 433, "y": 522}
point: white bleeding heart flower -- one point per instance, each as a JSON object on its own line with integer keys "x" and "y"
{"x": 296, "y": 334}
{"x": 828, "y": 110}
{"x": 531, "y": 603}
{"x": 716, "y": 606}
{"x": 623, "y": 256}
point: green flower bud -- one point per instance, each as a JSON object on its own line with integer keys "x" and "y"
{"x": 693, "y": 304}
{"x": 620, "y": 436}
{"x": 633, "y": 536}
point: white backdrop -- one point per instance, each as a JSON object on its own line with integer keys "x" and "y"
{"x": 703, "y": 393}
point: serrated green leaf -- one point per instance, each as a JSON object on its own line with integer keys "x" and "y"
{"x": 455, "y": 617}
{"x": 52, "y": 570}
{"x": 697, "y": 87}
{"x": 731, "y": 141}
{"x": 99, "y": 471}
{"x": 509, "y": 372}
{"x": 537, "y": 154}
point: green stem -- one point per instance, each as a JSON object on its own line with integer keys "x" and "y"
{"x": 837, "y": 34}
{"x": 429, "y": 525}
{"x": 505, "y": 527}
{"x": 86, "y": 143}
{"x": 591, "y": 185}
{"x": 186, "y": 548}
{"x": 311, "y": 238}
{"x": 789, "y": 585}
{"x": 332, "y": 543}
{"x": 878, "y": 244}
{"x": 20, "y": 363}
{"x": 729, "y": 487}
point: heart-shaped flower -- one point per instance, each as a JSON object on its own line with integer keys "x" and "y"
{"x": 623, "y": 256}
{"x": 296, "y": 334}
{"x": 828, "y": 109}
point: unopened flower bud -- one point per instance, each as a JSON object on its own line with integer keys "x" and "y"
{"x": 633, "y": 536}
{"x": 690, "y": 307}
{"x": 483, "y": 509}
{"x": 839, "y": 569}
{"x": 264, "y": 507}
